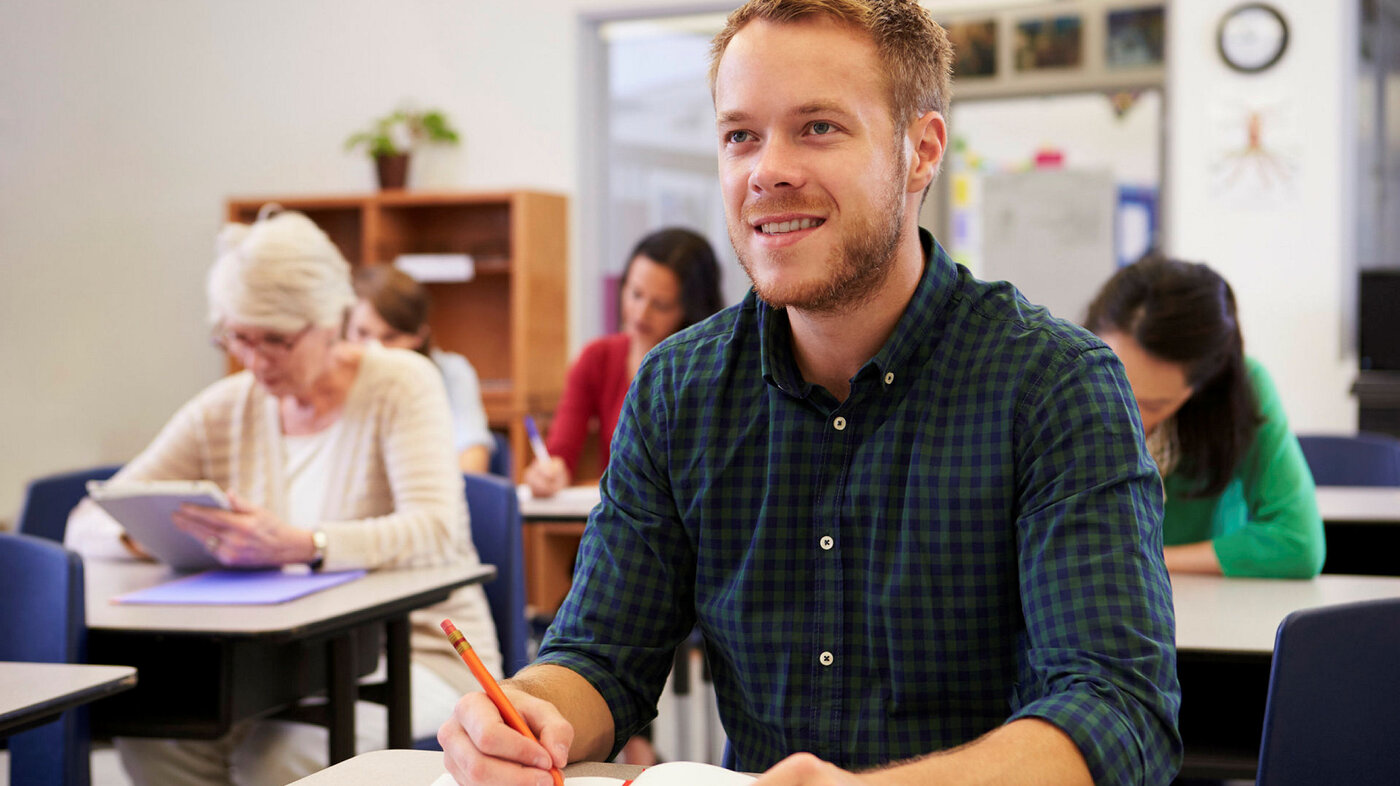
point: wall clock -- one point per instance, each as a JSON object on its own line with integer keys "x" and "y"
{"x": 1252, "y": 37}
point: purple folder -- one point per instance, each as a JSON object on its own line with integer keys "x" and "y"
{"x": 238, "y": 587}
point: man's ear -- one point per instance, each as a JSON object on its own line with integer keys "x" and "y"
{"x": 929, "y": 134}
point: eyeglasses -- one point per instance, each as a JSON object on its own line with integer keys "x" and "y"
{"x": 269, "y": 345}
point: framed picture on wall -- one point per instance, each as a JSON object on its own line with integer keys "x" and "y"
{"x": 974, "y": 48}
{"x": 1136, "y": 37}
{"x": 1049, "y": 42}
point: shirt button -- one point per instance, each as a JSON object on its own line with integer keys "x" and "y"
{"x": 826, "y": 658}
{"x": 827, "y": 543}
{"x": 889, "y": 378}
{"x": 839, "y": 423}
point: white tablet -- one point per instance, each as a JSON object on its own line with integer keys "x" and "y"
{"x": 144, "y": 508}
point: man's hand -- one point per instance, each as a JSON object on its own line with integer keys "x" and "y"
{"x": 479, "y": 748}
{"x": 804, "y": 769}
{"x": 246, "y": 536}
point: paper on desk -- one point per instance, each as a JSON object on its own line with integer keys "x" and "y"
{"x": 574, "y": 502}
{"x": 672, "y": 773}
{"x": 587, "y": 780}
{"x": 238, "y": 587}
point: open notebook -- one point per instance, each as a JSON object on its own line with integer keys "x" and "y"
{"x": 672, "y": 773}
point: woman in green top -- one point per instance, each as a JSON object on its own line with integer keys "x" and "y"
{"x": 1240, "y": 500}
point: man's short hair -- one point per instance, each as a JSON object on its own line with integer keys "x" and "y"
{"x": 915, "y": 51}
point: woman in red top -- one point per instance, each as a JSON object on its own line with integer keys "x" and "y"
{"x": 670, "y": 283}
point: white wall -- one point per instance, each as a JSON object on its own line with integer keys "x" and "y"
{"x": 124, "y": 126}
{"x": 1289, "y": 253}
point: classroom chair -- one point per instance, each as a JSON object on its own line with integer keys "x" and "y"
{"x": 502, "y": 460}
{"x": 49, "y": 500}
{"x": 1331, "y": 710}
{"x": 1361, "y": 460}
{"x": 42, "y": 614}
{"x": 499, "y": 538}
{"x": 494, "y": 509}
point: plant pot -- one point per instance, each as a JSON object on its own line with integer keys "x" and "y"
{"x": 392, "y": 170}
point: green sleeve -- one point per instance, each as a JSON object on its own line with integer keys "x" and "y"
{"x": 1282, "y": 534}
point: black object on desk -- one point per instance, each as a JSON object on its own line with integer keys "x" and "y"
{"x": 1378, "y": 399}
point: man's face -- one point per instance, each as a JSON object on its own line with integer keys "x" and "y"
{"x": 812, "y": 169}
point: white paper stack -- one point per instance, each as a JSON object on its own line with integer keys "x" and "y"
{"x": 429, "y": 268}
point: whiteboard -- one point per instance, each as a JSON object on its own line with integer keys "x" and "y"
{"x": 1050, "y": 232}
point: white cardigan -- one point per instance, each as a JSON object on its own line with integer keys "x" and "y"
{"x": 394, "y": 496}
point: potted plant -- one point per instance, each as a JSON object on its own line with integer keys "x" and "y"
{"x": 392, "y": 137}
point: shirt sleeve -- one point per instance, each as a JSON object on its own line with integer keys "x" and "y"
{"x": 469, "y": 426}
{"x": 1283, "y": 536}
{"x": 577, "y": 406}
{"x": 634, "y": 576}
{"x": 1099, "y": 659}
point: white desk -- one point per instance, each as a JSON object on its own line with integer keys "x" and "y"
{"x": 1221, "y": 615}
{"x": 1363, "y": 529}
{"x": 421, "y": 768}
{"x": 299, "y": 617}
{"x": 574, "y": 502}
{"x": 553, "y": 528}
{"x": 1225, "y": 630}
{"x": 204, "y": 668}
{"x": 1360, "y": 504}
{"x": 32, "y": 694}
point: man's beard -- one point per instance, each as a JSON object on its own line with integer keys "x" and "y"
{"x": 857, "y": 269}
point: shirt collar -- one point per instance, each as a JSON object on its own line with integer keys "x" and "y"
{"x": 914, "y": 336}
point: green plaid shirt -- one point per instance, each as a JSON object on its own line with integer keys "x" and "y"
{"x": 973, "y": 536}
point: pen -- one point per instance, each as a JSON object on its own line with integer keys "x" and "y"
{"x": 536, "y": 444}
{"x": 493, "y": 690}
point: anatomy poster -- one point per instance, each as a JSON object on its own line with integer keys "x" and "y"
{"x": 1255, "y": 150}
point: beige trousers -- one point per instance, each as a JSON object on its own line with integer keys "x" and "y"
{"x": 275, "y": 753}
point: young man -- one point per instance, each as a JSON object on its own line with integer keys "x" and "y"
{"x": 911, "y": 514}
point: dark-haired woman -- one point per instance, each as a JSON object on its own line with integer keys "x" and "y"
{"x": 671, "y": 282}
{"x": 1240, "y": 500}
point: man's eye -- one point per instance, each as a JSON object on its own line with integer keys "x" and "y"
{"x": 737, "y": 137}
{"x": 822, "y": 127}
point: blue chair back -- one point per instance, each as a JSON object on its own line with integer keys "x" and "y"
{"x": 1360, "y": 460}
{"x": 503, "y": 459}
{"x": 42, "y": 614}
{"x": 496, "y": 531}
{"x": 49, "y": 500}
{"x": 1331, "y": 714}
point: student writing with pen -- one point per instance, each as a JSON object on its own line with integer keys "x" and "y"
{"x": 671, "y": 282}
{"x": 911, "y": 513}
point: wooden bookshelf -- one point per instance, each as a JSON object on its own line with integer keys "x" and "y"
{"x": 510, "y": 320}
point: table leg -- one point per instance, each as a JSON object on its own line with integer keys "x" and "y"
{"x": 400, "y": 694}
{"x": 341, "y": 692}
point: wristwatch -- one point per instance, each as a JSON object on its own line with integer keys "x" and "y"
{"x": 318, "y": 542}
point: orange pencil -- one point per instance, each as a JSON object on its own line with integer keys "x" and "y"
{"x": 488, "y": 683}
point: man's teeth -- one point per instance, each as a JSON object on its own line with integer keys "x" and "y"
{"x": 780, "y": 227}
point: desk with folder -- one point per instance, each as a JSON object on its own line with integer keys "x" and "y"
{"x": 203, "y": 671}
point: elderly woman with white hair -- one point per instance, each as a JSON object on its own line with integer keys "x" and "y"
{"x": 334, "y": 454}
